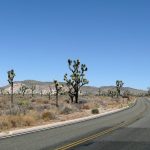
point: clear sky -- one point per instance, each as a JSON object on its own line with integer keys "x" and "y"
{"x": 112, "y": 37}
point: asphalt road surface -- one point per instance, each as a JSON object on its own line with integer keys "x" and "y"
{"x": 126, "y": 130}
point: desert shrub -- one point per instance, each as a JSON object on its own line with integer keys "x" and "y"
{"x": 96, "y": 105}
{"x": 15, "y": 121}
{"x": 46, "y": 106}
{"x": 85, "y": 107}
{"x": 31, "y": 107}
{"x": 4, "y": 123}
{"x": 28, "y": 120}
{"x": 23, "y": 103}
{"x": 48, "y": 115}
{"x": 23, "y": 106}
{"x": 40, "y": 108}
{"x": 66, "y": 110}
{"x": 83, "y": 101}
{"x": 95, "y": 111}
{"x": 42, "y": 101}
{"x": 8, "y": 122}
{"x": 45, "y": 101}
{"x": 33, "y": 100}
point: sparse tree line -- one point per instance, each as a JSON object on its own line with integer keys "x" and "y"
{"x": 116, "y": 92}
{"x": 74, "y": 82}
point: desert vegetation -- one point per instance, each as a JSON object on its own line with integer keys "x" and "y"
{"x": 31, "y": 104}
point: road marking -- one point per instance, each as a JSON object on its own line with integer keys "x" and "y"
{"x": 90, "y": 137}
{"x": 73, "y": 144}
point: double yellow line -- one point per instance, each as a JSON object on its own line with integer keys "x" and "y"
{"x": 88, "y": 138}
{"x": 73, "y": 144}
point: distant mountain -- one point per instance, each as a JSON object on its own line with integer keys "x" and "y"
{"x": 86, "y": 89}
{"x": 34, "y": 82}
{"x": 105, "y": 89}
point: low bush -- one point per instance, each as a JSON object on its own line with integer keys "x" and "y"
{"x": 4, "y": 123}
{"x": 28, "y": 121}
{"x": 66, "y": 110}
{"x": 48, "y": 116}
{"x": 15, "y": 121}
{"x": 8, "y": 122}
{"x": 86, "y": 107}
{"x": 95, "y": 111}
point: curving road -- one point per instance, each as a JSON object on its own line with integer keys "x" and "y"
{"x": 129, "y": 129}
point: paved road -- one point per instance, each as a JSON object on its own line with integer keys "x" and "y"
{"x": 135, "y": 135}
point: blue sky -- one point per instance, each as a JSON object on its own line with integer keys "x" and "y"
{"x": 111, "y": 37}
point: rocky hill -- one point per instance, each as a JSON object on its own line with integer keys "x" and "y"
{"x": 105, "y": 89}
{"x": 44, "y": 86}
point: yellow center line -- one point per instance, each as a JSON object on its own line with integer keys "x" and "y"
{"x": 73, "y": 144}
{"x": 90, "y": 137}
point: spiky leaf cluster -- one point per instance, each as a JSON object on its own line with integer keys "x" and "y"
{"x": 11, "y": 75}
{"x": 33, "y": 87}
{"x": 111, "y": 93}
{"x": 23, "y": 89}
{"x": 58, "y": 86}
{"x": 119, "y": 85}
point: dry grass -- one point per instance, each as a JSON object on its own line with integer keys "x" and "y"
{"x": 47, "y": 115}
{"x": 41, "y": 110}
{"x": 8, "y": 122}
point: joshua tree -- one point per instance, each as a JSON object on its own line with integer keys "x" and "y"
{"x": 77, "y": 78}
{"x": 111, "y": 93}
{"x": 23, "y": 89}
{"x": 71, "y": 93}
{"x": 2, "y": 91}
{"x": 11, "y": 75}
{"x": 33, "y": 88}
{"x": 126, "y": 94}
{"x": 99, "y": 92}
{"x": 49, "y": 93}
{"x": 119, "y": 85}
{"x": 148, "y": 91}
{"x": 41, "y": 92}
{"x": 58, "y": 88}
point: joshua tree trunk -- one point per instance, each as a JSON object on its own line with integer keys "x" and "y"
{"x": 57, "y": 99}
{"x": 41, "y": 93}
{"x": 11, "y": 76}
{"x": 71, "y": 97}
{"x": 76, "y": 97}
{"x": 32, "y": 93}
{"x": 12, "y": 95}
{"x": 49, "y": 96}
{"x": 76, "y": 94}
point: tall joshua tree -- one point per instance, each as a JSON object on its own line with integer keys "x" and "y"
{"x": 77, "y": 78}
{"x": 119, "y": 85}
{"x": 58, "y": 88}
{"x": 11, "y": 75}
